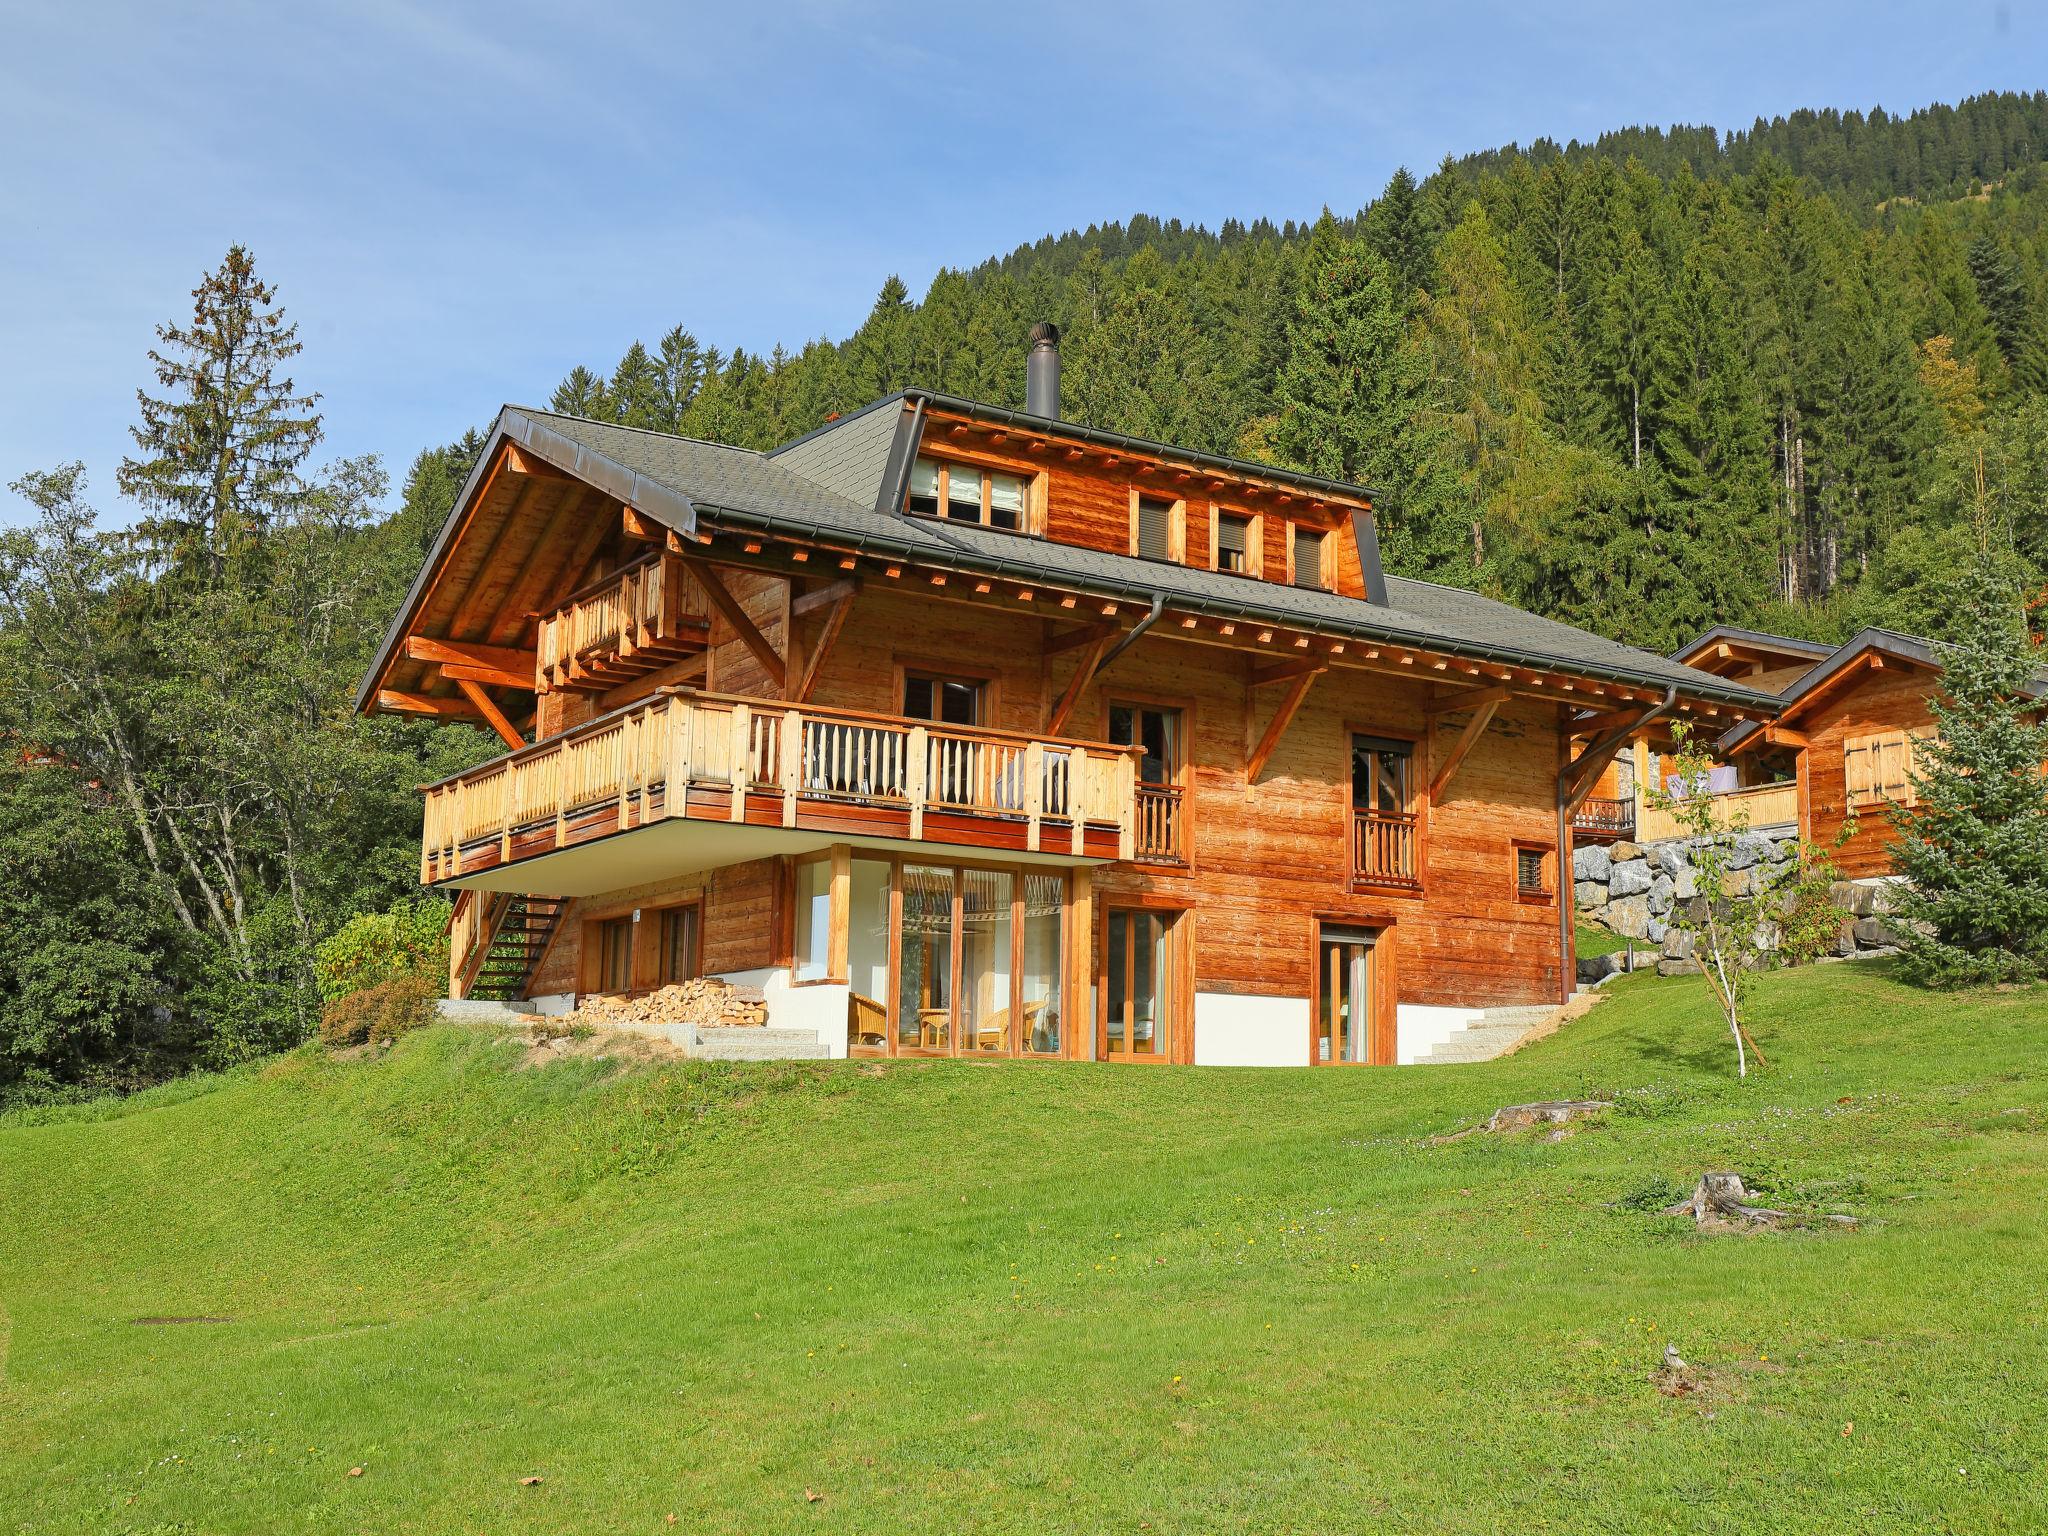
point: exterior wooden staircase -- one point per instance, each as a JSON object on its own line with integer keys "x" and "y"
{"x": 507, "y": 938}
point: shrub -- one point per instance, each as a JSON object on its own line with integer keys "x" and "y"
{"x": 1811, "y": 922}
{"x": 410, "y": 939}
{"x": 379, "y": 1013}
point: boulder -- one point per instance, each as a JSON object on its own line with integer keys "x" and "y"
{"x": 1656, "y": 929}
{"x": 1685, "y": 884}
{"x": 1660, "y": 894}
{"x": 1748, "y": 850}
{"x": 1678, "y": 968}
{"x": 1736, "y": 883}
{"x": 1668, "y": 857}
{"x": 1677, "y": 944}
{"x": 1874, "y": 933}
{"x": 1630, "y": 917}
{"x": 1589, "y": 893}
{"x": 1623, "y": 850}
{"x": 1630, "y": 878}
{"x": 1590, "y": 862}
{"x": 1594, "y": 969}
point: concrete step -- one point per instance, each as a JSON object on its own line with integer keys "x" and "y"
{"x": 757, "y": 1043}
{"x": 477, "y": 1010}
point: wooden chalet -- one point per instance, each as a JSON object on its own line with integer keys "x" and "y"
{"x": 1842, "y": 742}
{"x": 971, "y": 731}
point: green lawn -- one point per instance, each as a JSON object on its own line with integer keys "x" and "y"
{"x": 1029, "y": 1298}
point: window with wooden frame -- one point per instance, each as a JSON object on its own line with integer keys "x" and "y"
{"x": 1877, "y": 768}
{"x": 1386, "y": 830}
{"x": 1160, "y": 732}
{"x": 680, "y": 937}
{"x": 1158, "y": 526}
{"x": 1307, "y": 550}
{"x": 608, "y": 952}
{"x": 1141, "y": 984}
{"x": 1234, "y": 542}
{"x": 969, "y": 493}
{"x": 1535, "y": 871}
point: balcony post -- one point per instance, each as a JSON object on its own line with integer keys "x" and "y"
{"x": 509, "y": 813}
{"x": 740, "y": 758}
{"x": 919, "y": 748}
{"x": 1127, "y": 797}
{"x": 1034, "y": 792}
{"x": 1077, "y": 796}
{"x": 792, "y": 762}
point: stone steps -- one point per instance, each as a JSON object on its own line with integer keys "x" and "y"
{"x": 1494, "y": 1033}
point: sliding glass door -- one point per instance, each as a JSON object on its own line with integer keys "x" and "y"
{"x": 1344, "y": 993}
{"x": 955, "y": 960}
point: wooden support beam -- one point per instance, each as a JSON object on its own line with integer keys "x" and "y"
{"x": 495, "y": 677}
{"x": 834, "y": 621}
{"x": 488, "y": 708}
{"x": 508, "y": 660}
{"x": 1281, "y": 671}
{"x": 1474, "y": 729}
{"x": 638, "y": 525}
{"x": 822, "y": 597}
{"x": 1470, "y": 698}
{"x": 1597, "y": 725}
{"x": 400, "y": 703}
{"x": 1087, "y": 634}
{"x": 1785, "y": 736}
{"x": 730, "y": 610}
{"x": 1084, "y": 673}
{"x": 1290, "y": 706}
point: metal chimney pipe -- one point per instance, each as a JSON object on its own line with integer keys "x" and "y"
{"x": 1042, "y": 371}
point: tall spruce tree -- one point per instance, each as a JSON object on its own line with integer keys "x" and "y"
{"x": 222, "y": 448}
{"x": 1355, "y": 404}
{"x": 1974, "y": 846}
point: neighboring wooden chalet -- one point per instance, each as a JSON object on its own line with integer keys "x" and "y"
{"x": 1842, "y": 742}
{"x": 971, "y": 731}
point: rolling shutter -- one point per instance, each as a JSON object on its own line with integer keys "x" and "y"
{"x": 1155, "y": 528}
{"x": 1230, "y": 542}
{"x": 1308, "y": 558}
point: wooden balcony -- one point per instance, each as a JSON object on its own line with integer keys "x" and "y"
{"x": 1765, "y": 805}
{"x": 1383, "y": 850}
{"x": 696, "y": 757}
{"x": 635, "y": 620}
{"x": 1599, "y": 820}
{"x": 1159, "y": 834}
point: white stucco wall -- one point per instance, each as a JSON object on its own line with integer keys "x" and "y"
{"x": 819, "y": 1006}
{"x": 1237, "y": 1031}
{"x": 1420, "y": 1029}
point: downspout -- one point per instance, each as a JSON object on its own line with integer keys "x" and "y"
{"x": 1567, "y": 908}
{"x": 1136, "y": 632}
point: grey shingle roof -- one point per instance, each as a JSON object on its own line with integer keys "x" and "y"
{"x": 777, "y": 493}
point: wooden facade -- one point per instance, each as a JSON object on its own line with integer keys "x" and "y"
{"x": 1011, "y": 812}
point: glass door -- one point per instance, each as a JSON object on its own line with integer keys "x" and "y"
{"x": 1157, "y": 732}
{"x": 1344, "y": 977}
{"x": 1137, "y": 985}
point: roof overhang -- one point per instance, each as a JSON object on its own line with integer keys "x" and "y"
{"x": 520, "y": 432}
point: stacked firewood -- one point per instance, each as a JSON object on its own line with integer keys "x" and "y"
{"x": 705, "y": 1001}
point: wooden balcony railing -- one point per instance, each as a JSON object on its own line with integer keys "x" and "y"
{"x": 1606, "y": 818}
{"x": 727, "y": 758}
{"x": 1766, "y": 805}
{"x": 1383, "y": 849}
{"x": 645, "y": 616}
{"x": 1158, "y": 835}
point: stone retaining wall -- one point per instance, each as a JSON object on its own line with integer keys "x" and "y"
{"x": 1632, "y": 889}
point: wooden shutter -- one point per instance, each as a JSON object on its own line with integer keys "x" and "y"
{"x": 1308, "y": 557}
{"x": 1155, "y": 529}
{"x": 1879, "y": 767}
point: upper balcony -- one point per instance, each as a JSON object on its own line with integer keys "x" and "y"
{"x": 635, "y": 620}
{"x": 702, "y": 780}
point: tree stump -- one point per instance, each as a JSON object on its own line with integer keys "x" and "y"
{"x": 1522, "y": 1117}
{"x": 1719, "y": 1203}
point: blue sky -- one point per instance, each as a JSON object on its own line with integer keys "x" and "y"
{"x": 460, "y": 202}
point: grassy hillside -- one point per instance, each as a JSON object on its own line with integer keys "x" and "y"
{"x": 1025, "y": 1298}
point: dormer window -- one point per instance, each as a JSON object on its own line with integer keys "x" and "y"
{"x": 1308, "y": 557}
{"x": 1237, "y": 540}
{"x": 966, "y": 493}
